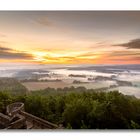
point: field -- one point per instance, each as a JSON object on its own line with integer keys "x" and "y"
{"x": 42, "y": 85}
{"x": 61, "y": 84}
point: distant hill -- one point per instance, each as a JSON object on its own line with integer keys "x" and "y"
{"x": 12, "y": 86}
{"x": 109, "y": 68}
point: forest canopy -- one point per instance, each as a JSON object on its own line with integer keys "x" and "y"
{"x": 79, "y": 108}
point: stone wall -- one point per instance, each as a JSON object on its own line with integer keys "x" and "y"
{"x": 17, "y": 118}
{"x": 4, "y": 120}
{"x": 38, "y": 122}
{"x": 14, "y": 108}
{"x": 19, "y": 123}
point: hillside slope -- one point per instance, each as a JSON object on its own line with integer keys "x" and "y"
{"x": 12, "y": 86}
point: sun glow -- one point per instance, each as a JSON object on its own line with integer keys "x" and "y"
{"x": 39, "y": 56}
{"x": 65, "y": 57}
{"x": 69, "y": 37}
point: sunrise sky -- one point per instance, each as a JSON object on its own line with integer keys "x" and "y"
{"x": 70, "y": 37}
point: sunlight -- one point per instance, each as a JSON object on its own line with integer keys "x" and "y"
{"x": 39, "y": 56}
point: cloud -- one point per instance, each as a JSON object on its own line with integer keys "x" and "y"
{"x": 4, "y": 49}
{"x": 44, "y": 21}
{"x": 124, "y": 56}
{"x": 8, "y": 53}
{"x": 3, "y": 42}
{"x": 132, "y": 44}
{"x": 126, "y": 59}
{"x": 124, "y": 53}
{"x": 72, "y": 59}
{"x": 88, "y": 55}
{"x": 2, "y": 35}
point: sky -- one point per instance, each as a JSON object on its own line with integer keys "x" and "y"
{"x": 70, "y": 37}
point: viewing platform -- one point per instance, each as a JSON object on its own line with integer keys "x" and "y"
{"x": 17, "y": 118}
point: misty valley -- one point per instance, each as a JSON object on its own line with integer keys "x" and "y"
{"x": 75, "y": 97}
{"x": 124, "y": 78}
